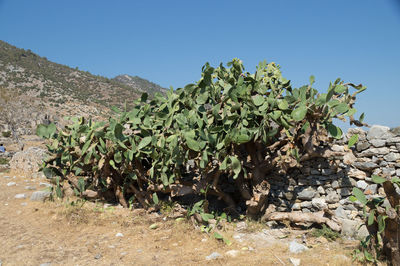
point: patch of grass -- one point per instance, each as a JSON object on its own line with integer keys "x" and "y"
{"x": 326, "y": 232}
{"x": 4, "y": 160}
{"x": 167, "y": 207}
{"x": 254, "y": 226}
{"x": 6, "y": 134}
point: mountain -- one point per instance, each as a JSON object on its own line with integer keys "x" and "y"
{"x": 34, "y": 90}
{"x": 140, "y": 84}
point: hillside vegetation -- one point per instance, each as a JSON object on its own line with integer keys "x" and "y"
{"x": 37, "y": 89}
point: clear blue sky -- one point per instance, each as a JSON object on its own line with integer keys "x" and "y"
{"x": 167, "y": 42}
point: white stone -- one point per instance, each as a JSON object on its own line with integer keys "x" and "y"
{"x": 393, "y": 140}
{"x": 10, "y": 184}
{"x": 362, "y": 184}
{"x": 377, "y": 143}
{"x": 306, "y": 204}
{"x": 40, "y": 195}
{"x": 295, "y": 247}
{"x": 375, "y": 151}
{"x": 379, "y": 132}
{"x": 294, "y": 261}
{"x": 337, "y": 148}
{"x": 371, "y": 189}
{"x": 319, "y": 203}
{"x": 355, "y": 173}
{"x": 306, "y": 194}
{"x": 213, "y": 256}
{"x": 232, "y": 253}
{"x": 321, "y": 190}
{"x": 349, "y": 227}
{"x": 296, "y": 206}
{"x": 119, "y": 235}
{"x": 349, "y": 158}
{"x": 340, "y": 212}
{"x": 332, "y": 197}
{"x": 391, "y": 157}
{"x": 20, "y": 196}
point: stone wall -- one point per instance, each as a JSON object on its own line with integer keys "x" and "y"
{"x": 322, "y": 184}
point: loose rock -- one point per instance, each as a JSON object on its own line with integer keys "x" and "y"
{"x": 295, "y": 262}
{"x": 295, "y": 247}
{"x": 20, "y": 196}
{"x": 10, "y": 184}
{"x": 232, "y": 253}
{"x": 40, "y": 195}
{"x": 213, "y": 256}
{"x": 362, "y": 184}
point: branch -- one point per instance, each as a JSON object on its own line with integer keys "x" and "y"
{"x": 300, "y": 217}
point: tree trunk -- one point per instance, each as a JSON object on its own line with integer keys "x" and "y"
{"x": 391, "y": 238}
{"x": 260, "y": 187}
{"x": 300, "y": 217}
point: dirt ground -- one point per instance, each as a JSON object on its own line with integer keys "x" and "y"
{"x": 77, "y": 233}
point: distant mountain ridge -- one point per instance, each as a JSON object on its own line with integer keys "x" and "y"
{"x": 140, "y": 84}
{"x": 33, "y": 88}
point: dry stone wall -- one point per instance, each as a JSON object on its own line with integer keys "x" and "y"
{"x": 326, "y": 184}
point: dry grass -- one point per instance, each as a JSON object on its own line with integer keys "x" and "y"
{"x": 73, "y": 233}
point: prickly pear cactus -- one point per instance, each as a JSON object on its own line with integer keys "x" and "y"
{"x": 230, "y": 127}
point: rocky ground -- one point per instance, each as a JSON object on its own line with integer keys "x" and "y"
{"x": 71, "y": 232}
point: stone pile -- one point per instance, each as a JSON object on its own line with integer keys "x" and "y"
{"x": 326, "y": 184}
{"x": 28, "y": 161}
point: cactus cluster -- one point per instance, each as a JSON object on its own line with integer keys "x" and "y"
{"x": 223, "y": 134}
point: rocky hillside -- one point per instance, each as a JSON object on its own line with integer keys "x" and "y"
{"x": 34, "y": 90}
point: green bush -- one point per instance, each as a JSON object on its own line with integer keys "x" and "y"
{"x": 6, "y": 134}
